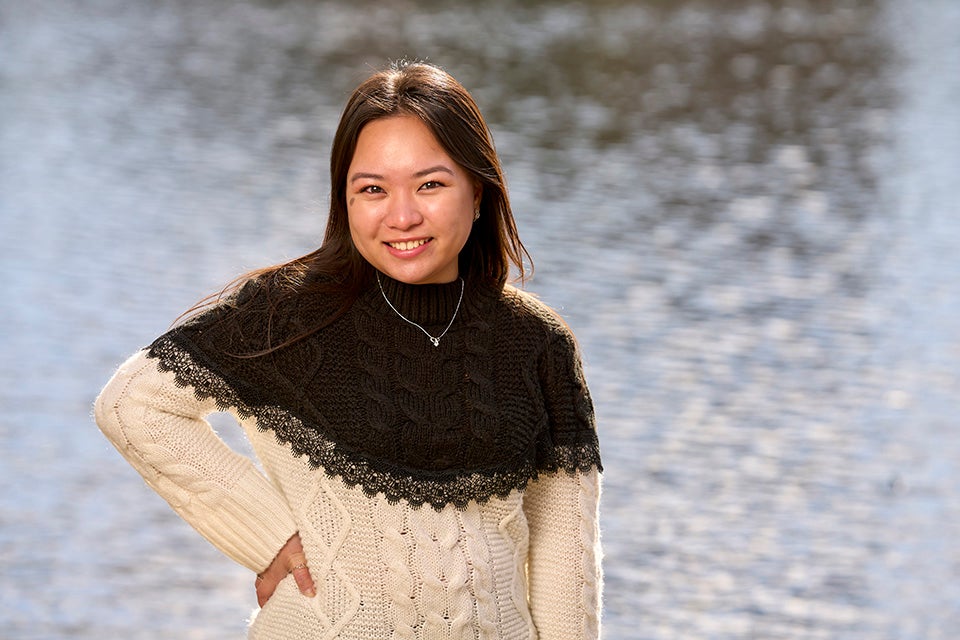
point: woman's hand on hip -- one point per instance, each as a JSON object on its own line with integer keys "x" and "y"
{"x": 291, "y": 559}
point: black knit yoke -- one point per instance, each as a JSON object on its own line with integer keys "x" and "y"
{"x": 369, "y": 399}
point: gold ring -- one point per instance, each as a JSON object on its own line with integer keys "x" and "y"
{"x": 299, "y": 566}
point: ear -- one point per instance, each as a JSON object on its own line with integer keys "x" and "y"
{"x": 477, "y": 194}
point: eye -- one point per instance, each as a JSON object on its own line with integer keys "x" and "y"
{"x": 431, "y": 184}
{"x": 371, "y": 188}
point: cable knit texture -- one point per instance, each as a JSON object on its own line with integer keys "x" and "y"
{"x": 440, "y": 492}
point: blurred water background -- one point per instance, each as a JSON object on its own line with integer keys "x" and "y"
{"x": 747, "y": 212}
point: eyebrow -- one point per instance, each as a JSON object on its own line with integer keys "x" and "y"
{"x": 439, "y": 167}
{"x": 419, "y": 174}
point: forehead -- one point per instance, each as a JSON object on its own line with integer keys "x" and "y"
{"x": 396, "y": 139}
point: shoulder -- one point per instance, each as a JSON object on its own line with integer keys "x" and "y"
{"x": 525, "y": 305}
{"x": 258, "y": 315}
{"x": 529, "y": 314}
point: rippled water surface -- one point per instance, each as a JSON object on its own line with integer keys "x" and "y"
{"x": 746, "y": 211}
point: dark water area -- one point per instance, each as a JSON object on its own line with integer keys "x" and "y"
{"x": 746, "y": 211}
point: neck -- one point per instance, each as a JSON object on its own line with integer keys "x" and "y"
{"x": 426, "y": 304}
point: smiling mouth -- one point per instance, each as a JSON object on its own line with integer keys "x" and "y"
{"x": 408, "y": 245}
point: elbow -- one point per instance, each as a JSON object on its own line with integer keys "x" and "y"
{"x": 106, "y": 412}
{"x": 109, "y": 404}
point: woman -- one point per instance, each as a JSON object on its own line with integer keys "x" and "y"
{"x": 429, "y": 453}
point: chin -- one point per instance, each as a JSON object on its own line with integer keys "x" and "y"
{"x": 419, "y": 276}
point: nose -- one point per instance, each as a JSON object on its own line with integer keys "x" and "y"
{"x": 402, "y": 212}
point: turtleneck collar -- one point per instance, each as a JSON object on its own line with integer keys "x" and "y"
{"x": 428, "y": 304}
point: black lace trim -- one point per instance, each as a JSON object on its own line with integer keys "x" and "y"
{"x": 437, "y": 489}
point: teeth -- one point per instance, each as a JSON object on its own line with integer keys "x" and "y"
{"x": 406, "y": 246}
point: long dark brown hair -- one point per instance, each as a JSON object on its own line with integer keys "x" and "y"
{"x": 336, "y": 268}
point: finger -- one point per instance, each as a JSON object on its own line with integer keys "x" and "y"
{"x": 265, "y": 586}
{"x": 301, "y": 573}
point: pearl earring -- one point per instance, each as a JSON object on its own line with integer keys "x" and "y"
{"x": 476, "y": 214}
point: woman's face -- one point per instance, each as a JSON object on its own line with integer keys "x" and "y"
{"x": 409, "y": 205}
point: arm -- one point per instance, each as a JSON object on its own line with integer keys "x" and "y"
{"x": 563, "y": 565}
{"x": 562, "y": 504}
{"x": 159, "y": 427}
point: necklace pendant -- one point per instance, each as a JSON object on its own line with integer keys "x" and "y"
{"x": 435, "y": 341}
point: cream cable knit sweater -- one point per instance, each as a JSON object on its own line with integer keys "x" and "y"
{"x": 523, "y": 566}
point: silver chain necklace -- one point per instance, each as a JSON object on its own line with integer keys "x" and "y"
{"x": 433, "y": 340}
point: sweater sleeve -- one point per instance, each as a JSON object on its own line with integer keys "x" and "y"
{"x": 562, "y": 503}
{"x": 564, "y": 562}
{"x": 161, "y": 430}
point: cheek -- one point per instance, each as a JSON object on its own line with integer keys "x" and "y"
{"x": 357, "y": 235}
{"x": 357, "y": 219}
